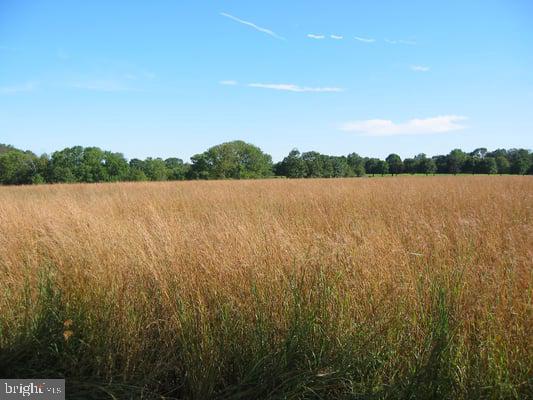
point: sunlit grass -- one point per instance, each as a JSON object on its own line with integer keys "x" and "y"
{"x": 351, "y": 288}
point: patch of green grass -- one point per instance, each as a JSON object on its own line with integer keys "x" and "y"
{"x": 224, "y": 352}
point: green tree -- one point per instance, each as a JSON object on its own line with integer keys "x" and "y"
{"x": 327, "y": 163}
{"x": 314, "y": 164}
{"x": 441, "y": 163}
{"x": 520, "y": 161}
{"x": 470, "y": 165}
{"x": 488, "y": 165}
{"x": 292, "y": 166}
{"x": 382, "y": 167}
{"x": 356, "y": 163}
{"x": 136, "y": 170}
{"x": 200, "y": 167}
{"x": 66, "y": 165}
{"x": 359, "y": 170}
{"x": 395, "y": 164}
{"x": 420, "y": 160}
{"x": 479, "y": 153}
{"x": 155, "y": 169}
{"x": 371, "y": 166}
{"x": 4, "y": 148}
{"x": 427, "y": 166}
{"x": 42, "y": 164}
{"x": 239, "y": 160}
{"x": 456, "y": 158}
{"x": 92, "y": 168}
{"x": 480, "y": 161}
{"x": 116, "y": 166}
{"x": 340, "y": 167}
{"x": 176, "y": 169}
{"x": 410, "y": 166}
{"x": 236, "y": 160}
{"x": 18, "y": 167}
{"x": 502, "y": 164}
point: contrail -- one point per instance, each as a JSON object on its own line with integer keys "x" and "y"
{"x": 258, "y": 28}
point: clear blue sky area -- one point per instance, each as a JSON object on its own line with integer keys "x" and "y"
{"x": 172, "y": 78}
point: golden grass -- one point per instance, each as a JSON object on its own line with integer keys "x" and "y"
{"x": 397, "y": 287}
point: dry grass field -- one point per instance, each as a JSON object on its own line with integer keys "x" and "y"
{"x": 407, "y": 287}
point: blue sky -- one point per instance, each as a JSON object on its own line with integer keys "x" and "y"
{"x": 172, "y": 78}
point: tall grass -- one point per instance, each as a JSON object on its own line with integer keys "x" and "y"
{"x": 361, "y": 289}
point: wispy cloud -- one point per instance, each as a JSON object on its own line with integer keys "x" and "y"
{"x": 228, "y": 82}
{"x": 252, "y": 25}
{"x": 364, "y": 40}
{"x": 290, "y": 87}
{"x": 419, "y": 68}
{"x": 401, "y": 41}
{"x": 313, "y": 36}
{"x": 424, "y": 126}
{"x": 20, "y": 88}
{"x": 336, "y": 37}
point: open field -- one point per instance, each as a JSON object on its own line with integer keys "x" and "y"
{"x": 408, "y": 287}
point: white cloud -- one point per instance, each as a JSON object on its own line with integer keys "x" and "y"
{"x": 424, "y": 126}
{"x": 228, "y": 82}
{"x": 364, "y": 40}
{"x": 294, "y": 88}
{"x": 313, "y": 36}
{"x": 420, "y": 68}
{"x": 251, "y": 24}
{"x": 336, "y": 37}
{"x": 21, "y": 88}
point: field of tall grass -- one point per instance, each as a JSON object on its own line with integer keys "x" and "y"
{"x": 407, "y": 287}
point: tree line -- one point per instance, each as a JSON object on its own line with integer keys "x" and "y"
{"x": 240, "y": 160}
